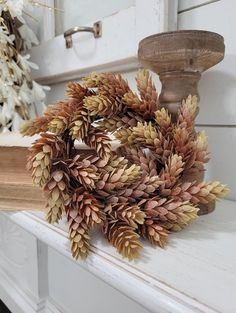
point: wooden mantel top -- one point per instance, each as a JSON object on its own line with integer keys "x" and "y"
{"x": 195, "y": 273}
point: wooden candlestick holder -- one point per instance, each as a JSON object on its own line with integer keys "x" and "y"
{"x": 179, "y": 58}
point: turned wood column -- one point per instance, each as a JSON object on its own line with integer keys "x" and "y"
{"x": 179, "y": 58}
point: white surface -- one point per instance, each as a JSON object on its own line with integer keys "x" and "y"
{"x": 196, "y": 273}
{"x": 121, "y": 33}
{"x": 188, "y": 4}
{"x": 81, "y": 12}
{"x": 217, "y": 85}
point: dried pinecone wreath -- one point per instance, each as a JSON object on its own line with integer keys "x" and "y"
{"x": 145, "y": 187}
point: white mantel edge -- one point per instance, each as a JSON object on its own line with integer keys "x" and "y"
{"x": 150, "y": 293}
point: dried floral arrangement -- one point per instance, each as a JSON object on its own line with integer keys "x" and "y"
{"x": 143, "y": 188}
{"x": 21, "y": 98}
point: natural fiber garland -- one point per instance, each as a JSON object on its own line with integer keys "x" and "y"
{"x": 143, "y": 188}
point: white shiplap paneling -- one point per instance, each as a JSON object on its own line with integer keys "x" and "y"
{"x": 190, "y": 4}
{"x": 217, "y": 86}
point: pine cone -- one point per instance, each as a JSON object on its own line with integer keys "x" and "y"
{"x": 146, "y": 187}
{"x": 184, "y": 146}
{"x": 124, "y": 239}
{"x": 58, "y": 197}
{"x": 163, "y": 120}
{"x": 84, "y": 170}
{"x": 112, "y": 124}
{"x": 42, "y": 152}
{"x": 80, "y": 124}
{"x": 173, "y": 215}
{"x": 199, "y": 192}
{"x": 35, "y": 126}
{"x": 147, "y": 90}
{"x": 171, "y": 173}
{"x": 187, "y": 113}
{"x": 200, "y": 145}
{"x": 88, "y": 207}
{"x": 78, "y": 235}
{"x": 101, "y": 105}
{"x": 100, "y": 142}
{"x": 76, "y": 91}
{"x": 155, "y": 233}
{"x": 117, "y": 162}
{"x": 141, "y": 157}
{"x": 131, "y": 215}
{"x": 118, "y": 178}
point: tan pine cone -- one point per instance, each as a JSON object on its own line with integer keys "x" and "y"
{"x": 199, "y": 192}
{"x": 118, "y": 178}
{"x": 76, "y": 91}
{"x": 101, "y": 105}
{"x": 46, "y": 148}
{"x": 141, "y": 157}
{"x": 124, "y": 238}
{"x": 173, "y": 215}
{"x": 155, "y": 233}
{"x": 84, "y": 170}
{"x": 187, "y": 113}
{"x": 147, "y": 186}
{"x": 147, "y": 89}
{"x": 35, "y": 126}
{"x": 200, "y": 146}
{"x": 80, "y": 124}
{"x": 163, "y": 120}
{"x": 184, "y": 146}
{"x": 57, "y": 195}
{"x": 111, "y": 85}
{"x": 146, "y": 134}
{"x": 116, "y": 162}
{"x": 112, "y": 124}
{"x": 78, "y": 235}
{"x": 132, "y": 215}
{"x": 100, "y": 142}
{"x": 170, "y": 174}
{"x": 87, "y": 207}
{"x": 125, "y": 135}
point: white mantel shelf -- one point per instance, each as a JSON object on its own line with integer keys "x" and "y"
{"x": 195, "y": 273}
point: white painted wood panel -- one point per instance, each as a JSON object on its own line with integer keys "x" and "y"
{"x": 217, "y": 86}
{"x": 222, "y": 145}
{"x": 189, "y": 4}
{"x": 195, "y": 273}
{"x": 76, "y": 290}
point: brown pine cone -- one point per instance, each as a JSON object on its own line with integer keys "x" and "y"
{"x": 84, "y": 170}
{"x": 124, "y": 239}
{"x": 147, "y": 90}
{"x": 141, "y": 157}
{"x": 173, "y": 215}
{"x": 155, "y": 233}
{"x": 200, "y": 145}
{"x": 146, "y": 187}
{"x": 76, "y": 91}
{"x": 100, "y": 142}
{"x": 112, "y": 124}
{"x": 35, "y": 126}
{"x": 101, "y": 105}
{"x": 184, "y": 147}
{"x": 199, "y": 192}
{"x": 80, "y": 124}
{"x": 163, "y": 119}
{"x": 187, "y": 113}
{"x": 78, "y": 235}
{"x": 42, "y": 152}
{"x": 170, "y": 174}
{"x": 132, "y": 215}
{"x": 118, "y": 178}
{"x": 88, "y": 208}
{"x": 57, "y": 195}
